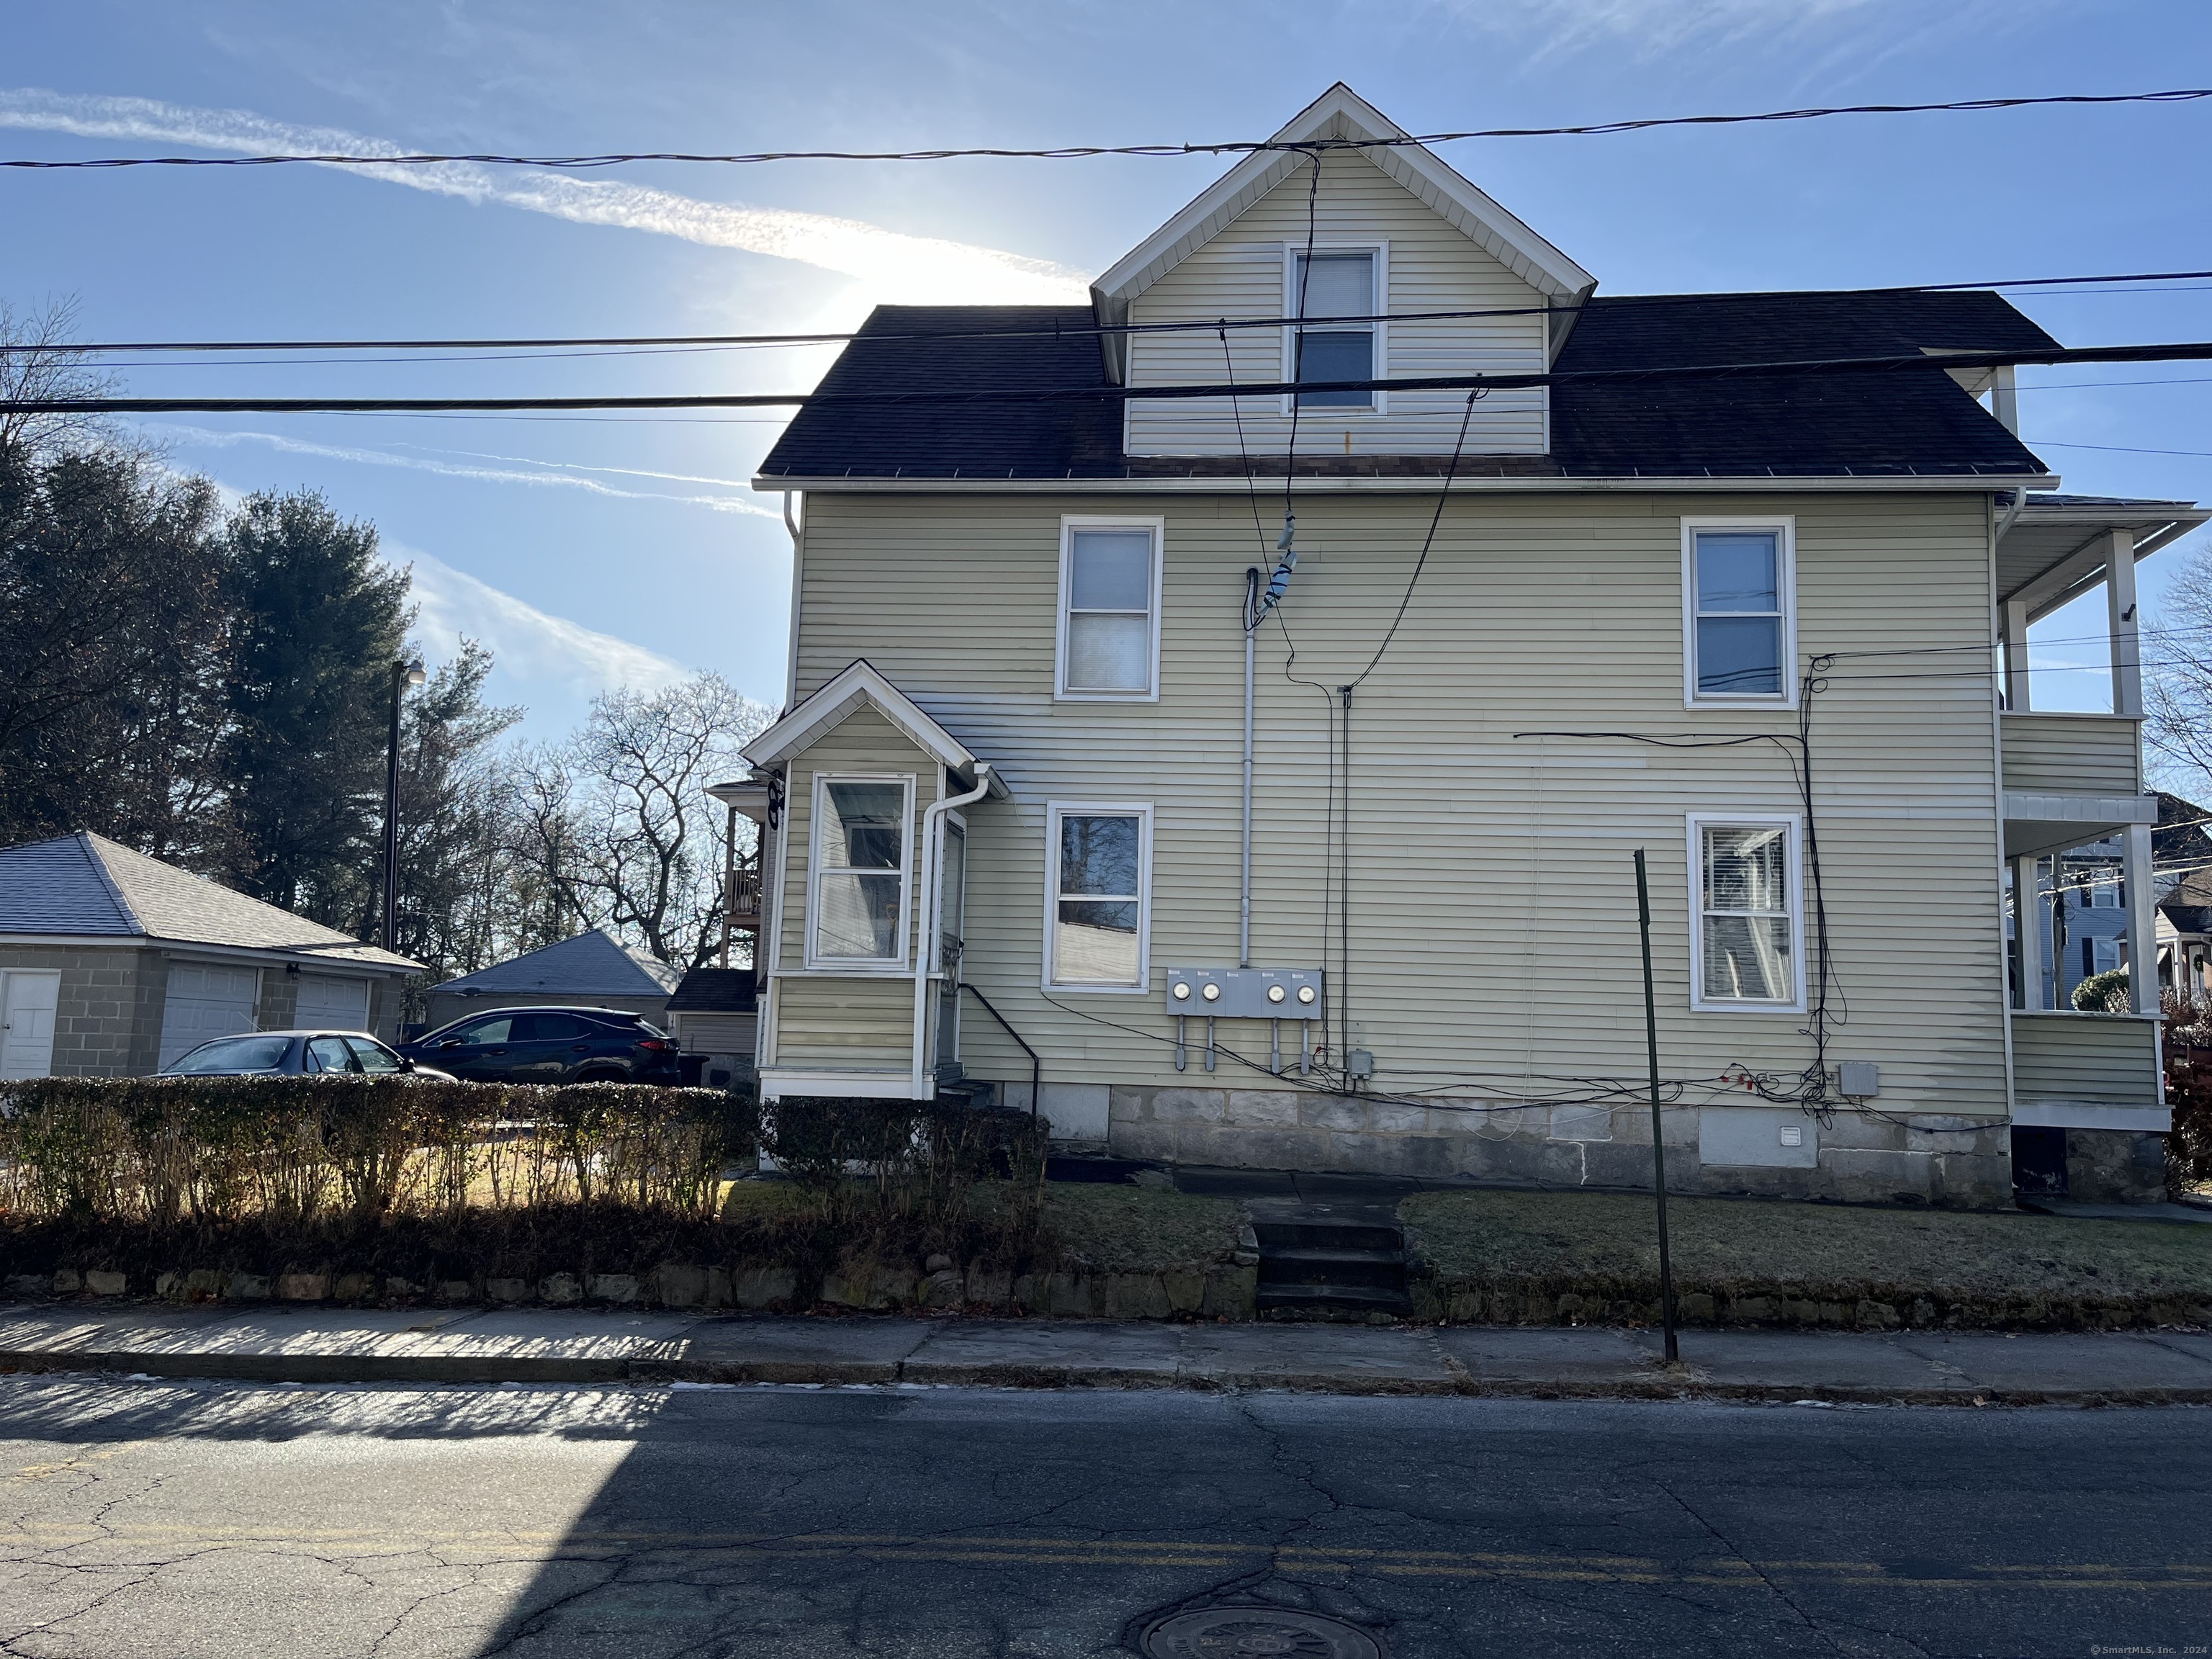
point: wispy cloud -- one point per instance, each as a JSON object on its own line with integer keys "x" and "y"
{"x": 566, "y": 478}
{"x": 916, "y": 268}
{"x": 530, "y": 644}
{"x": 1829, "y": 35}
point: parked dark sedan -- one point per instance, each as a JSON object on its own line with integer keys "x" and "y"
{"x": 297, "y": 1054}
{"x": 550, "y": 1045}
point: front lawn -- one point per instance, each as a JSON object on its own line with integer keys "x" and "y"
{"x": 1520, "y": 1257}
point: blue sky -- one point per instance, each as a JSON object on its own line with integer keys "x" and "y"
{"x": 592, "y": 553}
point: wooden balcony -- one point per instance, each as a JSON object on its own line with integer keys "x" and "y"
{"x": 745, "y": 899}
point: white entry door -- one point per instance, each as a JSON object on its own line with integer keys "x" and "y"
{"x": 330, "y": 1004}
{"x": 206, "y": 1002}
{"x": 27, "y": 1000}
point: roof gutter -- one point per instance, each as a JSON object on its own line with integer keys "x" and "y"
{"x": 1670, "y": 484}
{"x": 307, "y": 956}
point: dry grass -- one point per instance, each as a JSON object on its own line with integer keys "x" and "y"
{"x": 1115, "y": 1229}
{"x": 1515, "y": 1248}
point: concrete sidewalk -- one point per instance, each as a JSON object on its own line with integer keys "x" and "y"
{"x": 326, "y": 1344}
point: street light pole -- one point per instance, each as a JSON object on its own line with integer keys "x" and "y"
{"x": 403, "y": 674}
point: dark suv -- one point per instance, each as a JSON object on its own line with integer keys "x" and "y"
{"x": 549, "y": 1045}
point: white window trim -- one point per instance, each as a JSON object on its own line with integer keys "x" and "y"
{"x": 1785, "y": 528}
{"x": 1068, "y": 526}
{"x": 816, "y": 960}
{"x": 1699, "y": 822}
{"x": 1381, "y": 250}
{"x": 1142, "y": 812}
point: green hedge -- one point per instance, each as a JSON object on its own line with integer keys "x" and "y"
{"x": 295, "y": 1150}
{"x": 907, "y": 1159}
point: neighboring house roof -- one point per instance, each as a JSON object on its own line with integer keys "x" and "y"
{"x": 86, "y": 885}
{"x": 593, "y": 964}
{"x": 715, "y": 991}
{"x": 1849, "y": 424}
{"x": 2181, "y": 845}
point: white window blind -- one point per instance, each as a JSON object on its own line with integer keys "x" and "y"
{"x": 1747, "y": 913}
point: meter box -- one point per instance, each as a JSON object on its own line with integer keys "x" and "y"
{"x": 1246, "y": 993}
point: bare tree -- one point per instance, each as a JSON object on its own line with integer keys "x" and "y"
{"x": 618, "y": 821}
{"x": 37, "y": 363}
{"x": 2179, "y": 689}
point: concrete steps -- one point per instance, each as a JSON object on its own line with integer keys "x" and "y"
{"x": 1330, "y": 1268}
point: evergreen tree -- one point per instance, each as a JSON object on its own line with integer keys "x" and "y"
{"x": 316, "y": 624}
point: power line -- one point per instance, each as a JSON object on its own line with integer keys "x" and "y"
{"x": 1057, "y": 332}
{"x": 2170, "y": 351}
{"x": 1074, "y": 152}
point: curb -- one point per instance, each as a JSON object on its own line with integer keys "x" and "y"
{"x": 1029, "y": 1375}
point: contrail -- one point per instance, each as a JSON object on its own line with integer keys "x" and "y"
{"x": 921, "y": 270}
{"x": 563, "y": 480}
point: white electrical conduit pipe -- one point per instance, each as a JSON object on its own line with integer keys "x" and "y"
{"x": 932, "y": 822}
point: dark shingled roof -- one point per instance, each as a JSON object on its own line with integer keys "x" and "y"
{"x": 1009, "y": 439}
{"x": 593, "y": 964}
{"x": 1856, "y": 424}
{"x": 715, "y": 991}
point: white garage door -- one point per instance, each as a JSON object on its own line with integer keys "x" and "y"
{"x": 206, "y": 1002}
{"x": 27, "y": 1000}
{"x": 328, "y": 1004}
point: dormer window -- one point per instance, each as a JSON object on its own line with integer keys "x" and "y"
{"x": 1328, "y": 284}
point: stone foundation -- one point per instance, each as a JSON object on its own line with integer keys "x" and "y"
{"x": 1915, "y": 1158}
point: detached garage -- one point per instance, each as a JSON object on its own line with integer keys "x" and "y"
{"x": 113, "y": 964}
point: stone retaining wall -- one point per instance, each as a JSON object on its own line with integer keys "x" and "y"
{"x": 1222, "y": 1289}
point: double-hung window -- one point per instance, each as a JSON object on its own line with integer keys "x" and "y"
{"x": 1324, "y": 285}
{"x": 1739, "y": 623}
{"x": 1747, "y": 913}
{"x": 1097, "y": 902}
{"x": 1110, "y": 609}
{"x": 857, "y": 918}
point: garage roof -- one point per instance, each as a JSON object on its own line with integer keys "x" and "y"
{"x": 87, "y": 887}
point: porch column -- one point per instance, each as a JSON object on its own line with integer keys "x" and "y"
{"x": 2011, "y": 628}
{"x": 2027, "y": 927}
{"x": 2142, "y": 922}
{"x": 2120, "y": 608}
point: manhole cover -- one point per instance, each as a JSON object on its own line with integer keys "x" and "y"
{"x": 1257, "y": 1633}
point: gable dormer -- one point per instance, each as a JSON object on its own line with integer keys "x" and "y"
{"x": 1394, "y": 233}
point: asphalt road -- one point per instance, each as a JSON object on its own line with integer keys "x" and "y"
{"x": 164, "y": 1519}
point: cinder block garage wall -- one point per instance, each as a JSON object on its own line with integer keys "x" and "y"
{"x": 101, "y": 1025}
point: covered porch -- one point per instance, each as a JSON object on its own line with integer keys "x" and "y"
{"x": 2077, "y": 826}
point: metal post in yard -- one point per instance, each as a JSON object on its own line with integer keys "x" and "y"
{"x": 1658, "y": 1143}
{"x": 403, "y": 674}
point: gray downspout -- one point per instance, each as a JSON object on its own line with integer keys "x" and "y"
{"x": 1244, "y": 881}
